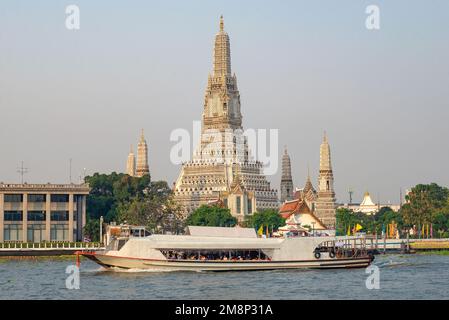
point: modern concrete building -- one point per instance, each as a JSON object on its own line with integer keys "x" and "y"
{"x": 42, "y": 212}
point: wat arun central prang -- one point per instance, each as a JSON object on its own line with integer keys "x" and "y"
{"x": 222, "y": 169}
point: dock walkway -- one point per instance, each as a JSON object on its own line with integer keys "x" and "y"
{"x": 46, "y": 248}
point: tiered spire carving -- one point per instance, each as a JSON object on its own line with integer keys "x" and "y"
{"x": 222, "y": 98}
{"x": 286, "y": 179}
{"x": 131, "y": 163}
{"x": 325, "y": 154}
{"x": 325, "y": 206}
{"x": 142, "y": 157}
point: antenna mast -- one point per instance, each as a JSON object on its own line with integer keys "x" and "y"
{"x": 22, "y": 170}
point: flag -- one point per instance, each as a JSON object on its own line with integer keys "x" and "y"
{"x": 267, "y": 232}
{"x": 260, "y": 231}
{"x": 349, "y": 231}
{"x": 358, "y": 227}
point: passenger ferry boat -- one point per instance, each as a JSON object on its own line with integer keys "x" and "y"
{"x": 225, "y": 249}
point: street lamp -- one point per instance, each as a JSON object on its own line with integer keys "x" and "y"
{"x": 313, "y": 228}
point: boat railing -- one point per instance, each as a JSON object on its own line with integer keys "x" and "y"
{"x": 344, "y": 247}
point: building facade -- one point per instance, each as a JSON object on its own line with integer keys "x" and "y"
{"x": 42, "y": 212}
{"x": 286, "y": 178}
{"x": 325, "y": 204}
{"x": 223, "y": 153}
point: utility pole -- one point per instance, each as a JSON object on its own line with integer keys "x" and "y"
{"x": 350, "y": 191}
{"x": 22, "y": 170}
{"x": 101, "y": 229}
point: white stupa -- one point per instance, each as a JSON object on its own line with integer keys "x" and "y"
{"x": 367, "y": 206}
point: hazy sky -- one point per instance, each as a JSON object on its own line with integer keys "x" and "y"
{"x": 302, "y": 67}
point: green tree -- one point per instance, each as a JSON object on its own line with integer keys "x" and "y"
{"x": 92, "y": 229}
{"x": 136, "y": 200}
{"x": 345, "y": 219}
{"x": 267, "y": 217}
{"x": 424, "y": 202}
{"x": 212, "y": 216}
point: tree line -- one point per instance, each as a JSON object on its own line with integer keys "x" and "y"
{"x": 426, "y": 208}
{"x": 140, "y": 201}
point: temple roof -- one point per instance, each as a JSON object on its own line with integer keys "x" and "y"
{"x": 294, "y": 207}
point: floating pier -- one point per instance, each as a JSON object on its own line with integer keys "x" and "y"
{"x": 14, "y": 249}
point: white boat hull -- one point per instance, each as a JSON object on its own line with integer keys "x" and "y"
{"x": 112, "y": 261}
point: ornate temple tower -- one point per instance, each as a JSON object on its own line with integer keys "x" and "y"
{"x": 325, "y": 204}
{"x": 286, "y": 179}
{"x": 142, "y": 157}
{"x": 131, "y": 163}
{"x": 223, "y": 153}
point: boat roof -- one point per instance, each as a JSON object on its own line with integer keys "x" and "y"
{"x": 235, "y": 232}
{"x": 158, "y": 241}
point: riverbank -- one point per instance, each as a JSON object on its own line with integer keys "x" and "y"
{"x": 434, "y": 252}
{"x": 40, "y": 258}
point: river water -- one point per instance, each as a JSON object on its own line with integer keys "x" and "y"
{"x": 400, "y": 277}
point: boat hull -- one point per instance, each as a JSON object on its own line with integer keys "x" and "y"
{"x": 111, "y": 261}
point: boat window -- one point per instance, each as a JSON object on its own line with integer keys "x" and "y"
{"x": 215, "y": 255}
{"x": 121, "y": 243}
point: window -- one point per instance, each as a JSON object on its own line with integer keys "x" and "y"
{"x": 59, "y": 232}
{"x": 225, "y": 202}
{"x": 59, "y": 216}
{"x": 250, "y": 206}
{"x": 36, "y": 232}
{"x": 13, "y": 216}
{"x": 36, "y": 215}
{"x": 59, "y": 198}
{"x": 238, "y": 204}
{"x": 13, "y": 198}
{"x": 12, "y": 232}
{"x": 36, "y": 198}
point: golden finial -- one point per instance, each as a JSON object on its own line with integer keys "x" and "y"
{"x": 221, "y": 23}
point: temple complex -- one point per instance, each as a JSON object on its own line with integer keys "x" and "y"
{"x": 321, "y": 203}
{"x": 222, "y": 168}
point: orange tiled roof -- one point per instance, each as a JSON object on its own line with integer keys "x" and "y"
{"x": 289, "y": 207}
